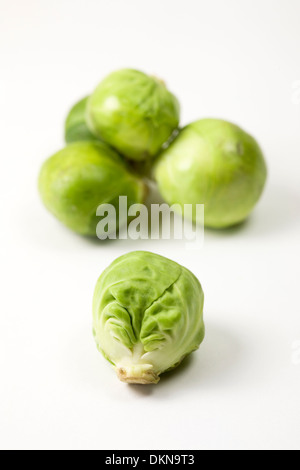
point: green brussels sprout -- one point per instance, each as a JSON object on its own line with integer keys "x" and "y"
{"x": 82, "y": 176}
{"x": 133, "y": 112}
{"x": 213, "y": 162}
{"x": 76, "y": 128}
{"x": 147, "y": 316}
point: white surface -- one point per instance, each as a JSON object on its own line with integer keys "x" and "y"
{"x": 235, "y": 60}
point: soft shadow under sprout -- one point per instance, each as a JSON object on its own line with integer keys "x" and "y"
{"x": 211, "y": 366}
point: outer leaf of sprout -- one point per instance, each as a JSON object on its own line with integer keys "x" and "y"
{"x": 76, "y": 128}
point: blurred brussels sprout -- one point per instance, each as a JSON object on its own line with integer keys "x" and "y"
{"x": 133, "y": 112}
{"x": 76, "y": 180}
{"x": 213, "y": 162}
{"x": 76, "y": 128}
{"x": 147, "y": 316}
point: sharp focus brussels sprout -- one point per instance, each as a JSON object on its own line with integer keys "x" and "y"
{"x": 76, "y": 180}
{"x": 147, "y": 316}
{"x": 133, "y": 112}
{"x": 215, "y": 163}
{"x": 76, "y": 128}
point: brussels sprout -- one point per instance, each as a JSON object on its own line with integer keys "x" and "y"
{"x": 147, "y": 316}
{"x": 76, "y": 180}
{"x": 76, "y": 128}
{"x": 133, "y": 112}
{"x": 215, "y": 163}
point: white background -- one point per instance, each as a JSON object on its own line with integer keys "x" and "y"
{"x": 237, "y": 60}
